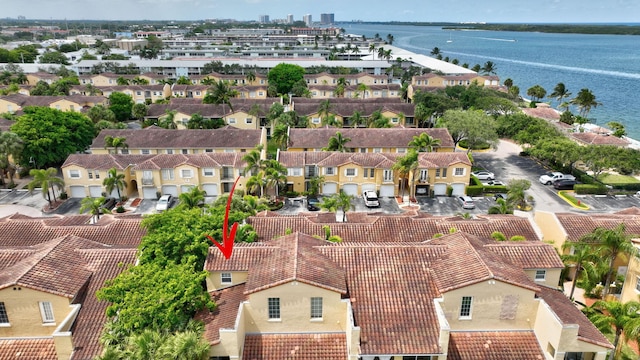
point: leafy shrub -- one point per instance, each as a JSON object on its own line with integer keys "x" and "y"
{"x": 590, "y": 189}
{"x": 493, "y": 189}
{"x": 291, "y": 194}
{"x": 449, "y": 190}
{"x": 64, "y": 195}
{"x": 498, "y": 236}
{"x": 474, "y": 190}
{"x": 120, "y": 209}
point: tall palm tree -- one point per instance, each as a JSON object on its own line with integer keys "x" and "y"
{"x": 47, "y": 180}
{"x": 372, "y": 48}
{"x": 220, "y": 93}
{"x": 186, "y": 345}
{"x": 582, "y": 253}
{"x": 337, "y": 143}
{"x": 585, "y": 100}
{"x": 502, "y": 207}
{"x": 193, "y": 198}
{"x": 362, "y": 88}
{"x": 435, "y": 51}
{"x": 10, "y": 146}
{"x": 324, "y": 109}
{"x": 340, "y": 201}
{"x": 622, "y": 318}
{"x": 280, "y": 135}
{"x": 611, "y": 244}
{"x": 275, "y": 174}
{"x": 406, "y": 167}
{"x": 489, "y": 68}
{"x": 94, "y": 206}
{"x": 357, "y": 119}
{"x": 255, "y": 183}
{"x": 114, "y": 181}
{"x": 253, "y": 161}
{"x": 424, "y": 143}
{"x": 560, "y": 92}
{"x": 115, "y": 143}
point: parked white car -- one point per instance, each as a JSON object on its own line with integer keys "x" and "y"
{"x": 483, "y": 175}
{"x": 550, "y": 178}
{"x": 370, "y": 198}
{"x": 164, "y": 203}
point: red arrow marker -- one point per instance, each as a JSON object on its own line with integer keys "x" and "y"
{"x": 227, "y": 238}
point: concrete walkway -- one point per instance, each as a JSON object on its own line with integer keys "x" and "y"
{"x": 6, "y": 210}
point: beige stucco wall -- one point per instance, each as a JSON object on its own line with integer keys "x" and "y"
{"x": 629, "y": 292}
{"x": 487, "y": 305}
{"x": 295, "y": 302}
{"x": 552, "y": 277}
{"x": 214, "y": 281}
{"x": 23, "y": 310}
{"x": 552, "y": 230}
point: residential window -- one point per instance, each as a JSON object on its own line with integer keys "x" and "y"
{"x": 394, "y": 120}
{"x": 330, "y": 171}
{"x": 458, "y": 171}
{"x": 315, "y": 120}
{"x": 167, "y": 174}
{"x": 208, "y": 150}
{"x": 74, "y": 174}
{"x": 225, "y": 278}
{"x": 388, "y": 175}
{"x": 274, "y": 308}
{"x": 424, "y": 175}
{"x": 186, "y": 173}
{"x": 401, "y": 150}
{"x": 145, "y": 152}
{"x": 4, "y": 318}
{"x": 96, "y": 173}
{"x": 437, "y": 173}
{"x": 465, "y": 307}
{"x": 377, "y": 150}
{"x": 638, "y": 283}
{"x": 316, "y": 308}
{"x": 90, "y": 174}
{"x": 231, "y": 120}
{"x": 369, "y": 172}
{"x": 46, "y": 310}
{"x": 207, "y": 172}
{"x": 248, "y": 121}
{"x": 169, "y": 151}
{"x": 294, "y": 172}
{"x": 541, "y": 275}
{"x": 350, "y": 172}
{"x": 124, "y": 151}
{"x": 229, "y": 150}
{"x": 185, "y": 151}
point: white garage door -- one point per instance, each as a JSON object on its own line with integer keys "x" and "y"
{"x": 329, "y": 188}
{"x": 387, "y": 191}
{"x": 350, "y": 189}
{"x": 170, "y": 190}
{"x": 185, "y": 188}
{"x": 77, "y": 192}
{"x": 149, "y": 192}
{"x": 458, "y": 189}
{"x": 439, "y": 189}
{"x": 210, "y": 189}
{"x": 368, "y": 187}
{"x": 95, "y": 191}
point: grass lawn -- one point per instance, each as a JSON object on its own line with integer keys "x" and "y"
{"x": 614, "y": 179}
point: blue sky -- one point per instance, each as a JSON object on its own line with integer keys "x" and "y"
{"x": 536, "y": 11}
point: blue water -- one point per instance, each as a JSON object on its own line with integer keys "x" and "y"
{"x": 608, "y": 65}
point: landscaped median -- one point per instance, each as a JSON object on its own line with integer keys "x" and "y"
{"x": 567, "y": 195}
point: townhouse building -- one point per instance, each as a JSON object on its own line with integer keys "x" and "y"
{"x": 16, "y": 102}
{"x": 354, "y": 113}
{"x": 431, "y": 82}
{"x": 140, "y": 94}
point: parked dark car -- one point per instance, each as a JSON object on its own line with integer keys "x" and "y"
{"x": 313, "y": 204}
{"x": 499, "y": 196}
{"x": 109, "y": 203}
{"x": 564, "y": 184}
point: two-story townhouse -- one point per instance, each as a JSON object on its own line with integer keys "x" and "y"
{"x": 189, "y": 91}
{"x": 140, "y": 94}
{"x": 15, "y": 102}
{"x": 438, "y": 171}
{"x": 445, "y": 298}
{"x": 238, "y": 115}
{"x": 154, "y": 140}
{"x": 356, "y": 114}
{"x": 432, "y": 82}
{"x": 34, "y": 78}
{"x": 325, "y": 78}
{"x": 366, "y": 140}
{"x": 103, "y": 79}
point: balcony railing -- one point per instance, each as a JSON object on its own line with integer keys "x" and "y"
{"x": 147, "y": 181}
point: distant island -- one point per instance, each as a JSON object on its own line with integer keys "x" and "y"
{"x": 605, "y": 29}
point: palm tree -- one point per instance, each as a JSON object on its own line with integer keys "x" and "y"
{"x": 612, "y": 243}
{"x": 193, "y": 198}
{"x": 186, "y": 345}
{"x": 585, "y": 100}
{"x": 340, "y": 201}
{"x": 424, "y": 143}
{"x": 582, "y": 253}
{"x": 280, "y": 135}
{"x": 167, "y": 121}
{"x": 10, "y": 146}
{"x": 435, "y": 51}
{"x": 315, "y": 184}
{"x": 356, "y": 119}
{"x": 220, "y": 93}
{"x": 560, "y": 92}
{"x": 362, "y": 87}
{"x": 47, "y": 180}
{"x": 275, "y": 174}
{"x": 114, "y": 181}
{"x": 94, "y": 206}
{"x": 337, "y": 143}
{"x": 251, "y": 77}
{"x": 502, "y": 207}
{"x": 624, "y": 318}
{"x": 508, "y": 83}
{"x": 372, "y": 48}
{"x": 255, "y": 183}
{"x": 406, "y": 167}
{"x": 489, "y": 68}
{"x": 324, "y": 109}
{"x": 254, "y": 162}
{"x": 115, "y": 143}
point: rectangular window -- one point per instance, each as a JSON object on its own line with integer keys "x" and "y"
{"x": 208, "y": 150}
{"x": 368, "y": 173}
{"x": 394, "y": 120}
{"x": 465, "y": 307}
{"x": 207, "y": 172}
{"x": 330, "y": 171}
{"x": 145, "y": 152}
{"x": 377, "y": 150}
{"x": 225, "y": 278}
{"x": 444, "y": 172}
{"x": 541, "y": 275}
{"x": 315, "y": 120}
{"x": 638, "y": 283}
{"x": 124, "y": 151}
{"x": 350, "y": 172}
{"x": 231, "y": 121}
{"x": 4, "y": 318}
{"x": 401, "y": 150}
{"x": 248, "y": 121}
{"x": 46, "y": 310}
{"x": 90, "y": 174}
{"x": 185, "y": 151}
{"x": 186, "y": 173}
{"x": 437, "y": 173}
{"x": 424, "y": 175}
{"x": 169, "y": 151}
{"x": 458, "y": 172}
{"x": 418, "y": 357}
{"x": 294, "y": 172}
{"x": 316, "y": 308}
{"x": 167, "y": 174}
{"x": 274, "y": 308}
{"x": 74, "y": 174}
{"x": 388, "y": 175}
{"x": 96, "y": 173}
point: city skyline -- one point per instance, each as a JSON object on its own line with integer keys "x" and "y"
{"x": 543, "y": 11}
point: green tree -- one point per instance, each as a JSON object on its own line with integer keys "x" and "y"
{"x": 10, "y": 148}
{"x": 560, "y": 92}
{"x": 337, "y": 143}
{"x": 280, "y": 135}
{"x": 53, "y": 57}
{"x": 121, "y": 104}
{"x": 115, "y": 142}
{"x": 582, "y": 253}
{"x": 476, "y": 127}
{"x": 618, "y": 128}
{"x": 51, "y": 135}
{"x": 315, "y": 184}
{"x": 621, "y": 318}
{"x": 585, "y": 100}
{"x": 197, "y": 121}
{"x": 502, "y": 207}
{"x": 284, "y": 76}
{"x": 139, "y": 110}
{"x": 406, "y": 167}
{"x": 47, "y": 180}
{"x": 424, "y": 143}
{"x": 489, "y": 68}
{"x": 192, "y": 199}
{"x": 94, "y": 206}
{"x": 100, "y": 112}
{"x": 536, "y": 92}
{"x": 340, "y": 201}
{"x": 612, "y": 243}
{"x": 114, "y": 181}
{"x": 516, "y": 193}
{"x": 220, "y": 93}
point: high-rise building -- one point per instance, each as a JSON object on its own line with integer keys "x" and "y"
{"x": 264, "y": 19}
{"x": 326, "y": 19}
{"x": 307, "y": 19}
{"x": 290, "y": 18}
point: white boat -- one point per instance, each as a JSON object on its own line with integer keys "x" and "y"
{"x": 450, "y": 40}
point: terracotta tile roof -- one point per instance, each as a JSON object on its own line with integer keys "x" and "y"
{"x": 494, "y": 345}
{"x": 468, "y": 262}
{"x": 392, "y": 228}
{"x": 347, "y": 109}
{"x": 11, "y": 256}
{"x": 578, "y": 225}
{"x": 431, "y": 160}
{"x": 245, "y": 257}
{"x": 529, "y": 254}
{"x": 118, "y": 231}
{"x": 104, "y": 161}
{"x": 105, "y": 264}
{"x": 542, "y": 113}
{"x": 365, "y": 138}
{"x": 224, "y": 316}
{"x": 170, "y": 161}
{"x": 569, "y": 314}
{"x": 591, "y": 138}
{"x": 32, "y": 348}
{"x": 374, "y": 160}
{"x": 153, "y": 137}
{"x": 325, "y": 346}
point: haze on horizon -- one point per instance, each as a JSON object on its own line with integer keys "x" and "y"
{"x": 494, "y": 11}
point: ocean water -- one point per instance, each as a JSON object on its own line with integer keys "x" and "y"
{"x": 608, "y": 65}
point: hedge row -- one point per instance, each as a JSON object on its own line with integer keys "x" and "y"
{"x": 590, "y": 189}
